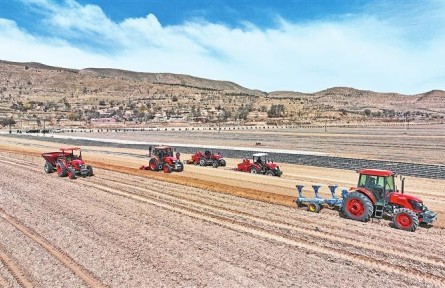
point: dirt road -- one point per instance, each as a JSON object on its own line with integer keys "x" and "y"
{"x": 122, "y": 230}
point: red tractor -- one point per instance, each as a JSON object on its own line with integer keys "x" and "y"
{"x": 66, "y": 163}
{"x": 377, "y": 194}
{"x": 207, "y": 158}
{"x": 162, "y": 159}
{"x": 259, "y": 165}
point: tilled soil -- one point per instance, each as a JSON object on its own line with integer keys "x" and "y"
{"x": 122, "y": 230}
{"x": 381, "y": 143}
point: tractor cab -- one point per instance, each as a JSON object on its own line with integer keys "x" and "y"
{"x": 163, "y": 151}
{"x": 378, "y": 182}
{"x": 69, "y": 153}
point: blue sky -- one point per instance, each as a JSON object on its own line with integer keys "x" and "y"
{"x": 307, "y": 46}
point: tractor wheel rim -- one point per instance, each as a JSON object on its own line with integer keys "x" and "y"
{"x": 59, "y": 170}
{"x": 356, "y": 207}
{"x": 404, "y": 220}
{"x": 152, "y": 165}
{"x": 312, "y": 207}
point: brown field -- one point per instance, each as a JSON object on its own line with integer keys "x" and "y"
{"x": 413, "y": 143}
{"x": 210, "y": 227}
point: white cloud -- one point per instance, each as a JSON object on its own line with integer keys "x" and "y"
{"x": 365, "y": 52}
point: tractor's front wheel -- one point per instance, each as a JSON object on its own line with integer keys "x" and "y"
{"x": 153, "y": 164}
{"x": 71, "y": 173}
{"x": 48, "y": 167}
{"x": 180, "y": 167}
{"x": 405, "y": 219}
{"x": 89, "y": 170}
{"x": 215, "y": 164}
{"x": 222, "y": 162}
{"x": 270, "y": 173}
{"x": 167, "y": 168}
{"x": 61, "y": 169}
{"x": 202, "y": 162}
{"x": 358, "y": 206}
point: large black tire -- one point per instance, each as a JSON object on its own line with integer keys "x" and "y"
{"x": 405, "y": 219}
{"x": 254, "y": 170}
{"x": 358, "y": 206}
{"x": 71, "y": 173}
{"x": 222, "y": 162}
{"x": 270, "y": 173}
{"x": 167, "y": 168}
{"x": 180, "y": 167}
{"x": 202, "y": 161}
{"x": 48, "y": 167}
{"x": 153, "y": 164}
{"x": 61, "y": 169}
{"x": 215, "y": 164}
{"x": 89, "y": 170}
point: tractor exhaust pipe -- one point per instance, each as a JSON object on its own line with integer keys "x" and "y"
{"x": 403, "y": 185}
{"x": 149, "y": 151}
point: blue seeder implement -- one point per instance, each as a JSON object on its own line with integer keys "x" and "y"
{"x": 317, "y": 203}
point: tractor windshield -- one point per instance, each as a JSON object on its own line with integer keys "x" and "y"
{"x": 390, "y": 185}
{"x": 378, "y": 185}
{"x": 162, "y": 152}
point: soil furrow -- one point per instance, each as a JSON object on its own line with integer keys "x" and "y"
{"x": 334, "y": 237}
{"x": 305, "y": 231}
{"x": 242, "y": 226}
{"x": 19, "y": 274}
{"x": 64, "y": 258}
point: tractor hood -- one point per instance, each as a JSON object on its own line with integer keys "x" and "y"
{"x": 217, "y": 157}
{"x": 170, "y": 159}
{"x": 272, "y": 166}
{"x": 77, "y": 163}
{"x": 408, "y": 201}
{"x": 396, "y": 195}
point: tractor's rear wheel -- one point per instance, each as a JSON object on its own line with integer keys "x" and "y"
{"x": 405, "y": 219}
{"x": 89, "y": 170}
{"x": 202, "y": 162}
{"x": 222, "y": 163}
{"x": 314, "y": 207}
{"x": 71, "y": 173}
{"x": 358, "y": 206}
{"x": 215, "y": 164}
{"x": 153, "y": 164}
{"x": 48, "y": 167}
{"x": 254, "y": 170}
{"x": 61, "y": 169}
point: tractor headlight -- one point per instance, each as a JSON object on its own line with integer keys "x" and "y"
{"x": 416, "y": 205}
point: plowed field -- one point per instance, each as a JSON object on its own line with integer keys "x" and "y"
{"x": 204, "y": 227}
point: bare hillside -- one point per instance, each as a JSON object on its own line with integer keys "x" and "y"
{"x": 36, "y": 90}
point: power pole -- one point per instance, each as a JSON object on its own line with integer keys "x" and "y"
{"x": 10, "y": 125}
